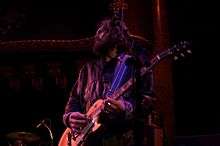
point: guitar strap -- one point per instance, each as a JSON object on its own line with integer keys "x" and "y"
{"x": 119, "y": 72}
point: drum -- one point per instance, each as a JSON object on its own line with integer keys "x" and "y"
{"x": 22, "y": 139}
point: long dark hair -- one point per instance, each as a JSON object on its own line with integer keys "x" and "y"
{"x": 111, "y": 32}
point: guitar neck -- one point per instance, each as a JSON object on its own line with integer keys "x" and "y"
{"x": 143, "y": 71}
{"x": 128, "y": 84}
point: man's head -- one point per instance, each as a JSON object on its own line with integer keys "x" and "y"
{"x": 111, "y": 33}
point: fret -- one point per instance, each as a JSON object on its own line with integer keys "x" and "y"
{"x": 124, "y": 88}
{"x": 164, "y": 54}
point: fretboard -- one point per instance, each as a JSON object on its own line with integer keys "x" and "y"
{"x": 128, "y": 84}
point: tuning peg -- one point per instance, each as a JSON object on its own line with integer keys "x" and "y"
{"x": 182, "y": 55}
{"x": 189, "y": 51}
{"x": 183, "y": 42}
{"x": 175, "y": 57}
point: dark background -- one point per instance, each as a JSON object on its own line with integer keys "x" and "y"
{"x": 22, "y": 106}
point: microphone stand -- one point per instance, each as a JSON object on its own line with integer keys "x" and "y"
{"x": 50, "y": 133}
{"x": 49, "y": 130}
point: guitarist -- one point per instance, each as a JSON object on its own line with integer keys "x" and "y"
{"x": 99, "y": 78}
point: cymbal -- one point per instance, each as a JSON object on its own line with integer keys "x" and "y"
{"x": 143, "y": 41}
{"x": 23, "y": 136}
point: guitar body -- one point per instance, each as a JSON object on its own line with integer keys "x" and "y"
{"x": 93, "y": 114}
{"x": 64, "y": 140}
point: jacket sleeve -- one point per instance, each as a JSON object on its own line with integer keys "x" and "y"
{"x": 145, "y": 86}
{"x": 76, "y": 102}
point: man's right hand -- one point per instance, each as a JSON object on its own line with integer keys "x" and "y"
{"x": 77, "y": 120}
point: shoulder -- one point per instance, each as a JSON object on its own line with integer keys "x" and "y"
{"x": 91, "y": 64}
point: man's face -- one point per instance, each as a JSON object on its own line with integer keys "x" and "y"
{"x": 107, "y": 36}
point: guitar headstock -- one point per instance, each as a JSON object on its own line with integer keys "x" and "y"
{"x": 180, "y": 50}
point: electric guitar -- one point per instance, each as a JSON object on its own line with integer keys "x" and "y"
{"x": 70, "y": 138}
